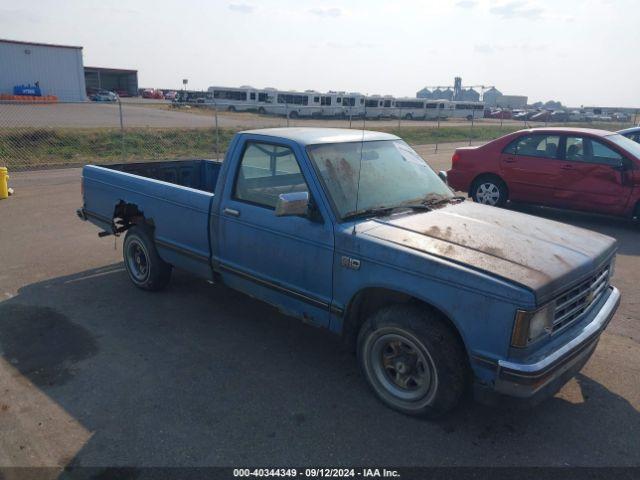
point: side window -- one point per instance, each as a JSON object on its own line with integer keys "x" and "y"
{"x": 542, "y": 146}
{"x": 575, "y": 149}
{"x": 265, "y": 172}
{"x": 604, "y": 154}
{"x": 511, "y": 148}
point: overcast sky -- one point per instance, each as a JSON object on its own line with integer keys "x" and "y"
{"x": 581, "y": 52}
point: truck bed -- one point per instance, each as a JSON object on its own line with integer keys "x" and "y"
{"x": 198, "y": 174}
{"x": 174, "y": 196}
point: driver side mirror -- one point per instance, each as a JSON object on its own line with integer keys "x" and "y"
{"x": 295, "y": 204}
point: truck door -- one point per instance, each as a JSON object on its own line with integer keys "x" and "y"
{"x": 285, "y": 261}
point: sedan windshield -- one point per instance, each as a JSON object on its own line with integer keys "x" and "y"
{"x": 387, "y": 173}
{"x": 626, "y": 143}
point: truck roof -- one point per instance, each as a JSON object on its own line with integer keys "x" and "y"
{"x": 313, "y": 136}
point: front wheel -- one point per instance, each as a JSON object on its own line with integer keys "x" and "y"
{"x": 145, "y": 267}
{"x": 489, "y": 190}
{"x": 412, "y": 360}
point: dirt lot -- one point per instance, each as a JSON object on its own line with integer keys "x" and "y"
{"x": 96, "y": 372}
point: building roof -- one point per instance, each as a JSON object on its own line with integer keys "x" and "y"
{"x": 111, "y": 70}
{"x": 19, "y": 42}
{"x": 313, "y": 136}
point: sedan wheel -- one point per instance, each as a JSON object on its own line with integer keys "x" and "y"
{"x": 487, "y": 193}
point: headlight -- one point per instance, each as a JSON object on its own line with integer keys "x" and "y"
{"x": 529, "y": 326}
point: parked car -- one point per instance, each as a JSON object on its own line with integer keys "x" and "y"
{"x": 632, "y": 133}
{"x": 541, "y": 116}
{"x": 170, "y": 95}
{"x": 621, "y": 117}
{"x": 433, "y": 292}
{"x": 151, "y": 93}
{"x": 500, "y": 113}
{"x": 559, "y": 116}
{"x": 104, "y": 96}
{"x": 575, "y": 168}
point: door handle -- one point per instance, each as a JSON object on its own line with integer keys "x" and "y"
{"x": 566, "y": 167}
{"x": 231, "y": 212}
{"x": 509, "y": 160}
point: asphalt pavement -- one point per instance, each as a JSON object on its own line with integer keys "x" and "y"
{"x": 95, "y": 372}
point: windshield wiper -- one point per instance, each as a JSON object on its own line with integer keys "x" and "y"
{"x": 379, "y": 211}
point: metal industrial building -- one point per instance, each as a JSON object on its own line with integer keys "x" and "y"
{"x": 58, "y": 69}
{"x": 124, "y": 82}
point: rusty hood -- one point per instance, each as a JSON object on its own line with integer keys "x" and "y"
{"x": 542, "y": 255}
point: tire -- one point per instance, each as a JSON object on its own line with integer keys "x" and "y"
{"x": 261, "y": 111}
{"x": 430, "y": 378}
{"x": 231, "y": 108}
{"x": 469, "y": 117}
{"x": 489, "y": 190}
{"x": 145, "y": 267}
{"x": 408, "y": 116}
{"x": 293, "y": 114}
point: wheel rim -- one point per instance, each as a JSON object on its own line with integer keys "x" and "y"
{"x": 488, "y": 193}
{"x": 137, "y": 261}
{"x": 402, "y": 367}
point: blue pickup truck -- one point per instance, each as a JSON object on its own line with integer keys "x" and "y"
{"x": 354, "y": 232}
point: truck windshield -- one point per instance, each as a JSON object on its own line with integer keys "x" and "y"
{"x": 392, "y": 175}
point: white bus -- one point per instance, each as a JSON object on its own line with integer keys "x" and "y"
{"x": 352, "y": 104}
{"x": 435, "y": 109}
{"x": 234, "y": 99}
{"x": 468, "y": 110}
{"x": 411, "y": 108}
{"x": 292, "y": 103}
{"x": 380, "y": 107}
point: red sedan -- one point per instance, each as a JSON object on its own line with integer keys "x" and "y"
{"x": 576, "y": 168}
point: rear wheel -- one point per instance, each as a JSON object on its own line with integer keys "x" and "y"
{"x": 489, "y": 190}
{"x": 145, "y": 267}
{"x": 231, "y": 108}
{"x": 408, "y": 116}
{"x": 261, "y": 111}
{"x": 293, "y": 114}
{"x": 412, "y": 360}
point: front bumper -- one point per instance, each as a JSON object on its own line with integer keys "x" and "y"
{"x": 544, "y": 377}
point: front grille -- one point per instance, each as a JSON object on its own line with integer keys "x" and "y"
{"x": 572, "y": 304}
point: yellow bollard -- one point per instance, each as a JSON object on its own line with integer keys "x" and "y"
{"x": 4, "y": 183}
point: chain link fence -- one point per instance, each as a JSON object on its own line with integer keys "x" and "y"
{"x": 53, "y": 135}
